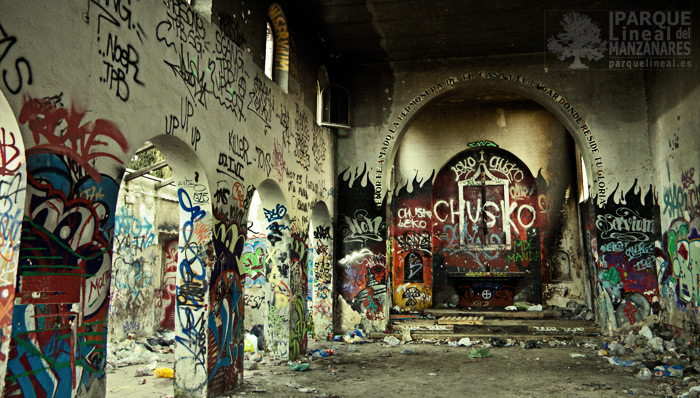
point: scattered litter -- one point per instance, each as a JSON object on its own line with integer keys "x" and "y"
{"x": 432, "y": 374}
{"x": 646, "y": 332}
{"x": 511, "y": 308}
{"x": 408, "y": 352}
{"x": 164, "y": 372}
{"x": 251, "y": 343}
{"x": 307, "y": 390}
{"x": 385, "y": 355}
{"x": 391, "y": 340}
{"x": 537, "y": 307}
{"x": 322, "y": 353}
{"x": 644, "y": 374}
{"x": 480, "y": 353}
{"x": 406, "y": 335}
{"x": 465, "y": 341}
{"x": 250, "y": 365}
{"x": 299, "y": 367}
{"x": 668, "y": 371}
{"x": 530, "y": 345}
{"x": 657, "y": 343}
{"x": 142, "y": 381}
{"x": 521, "y": 305}
{"x": 576, "y": 355}
{"x": 620, "y": 362}
{"x": 498, "y": 343}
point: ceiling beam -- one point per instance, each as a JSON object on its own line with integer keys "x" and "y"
{"x": 138, "y": 173}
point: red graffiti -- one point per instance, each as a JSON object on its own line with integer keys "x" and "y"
{"x": 65, "y": 133}
{"x": 9, "y": 153}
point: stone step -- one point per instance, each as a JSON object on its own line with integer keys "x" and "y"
{"x": 493, "y": 313}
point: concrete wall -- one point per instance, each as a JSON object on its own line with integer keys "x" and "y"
{"x": 144, "y": 264}
{"x": 89, "y": 83}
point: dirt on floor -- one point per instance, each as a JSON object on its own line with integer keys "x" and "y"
{"x": 432, "y": 369}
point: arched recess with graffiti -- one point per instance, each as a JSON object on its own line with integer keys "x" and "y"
{"x": 321, "y": 271}
{"x": 494, "y": 93}
{"x": 58, "y": 337}
{"x": 485, "y": 232}
{"x": 13, "y": 182}
{"x": 526, "y": 151}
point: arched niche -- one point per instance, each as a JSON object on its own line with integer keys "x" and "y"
{"x": 486, "y": 230}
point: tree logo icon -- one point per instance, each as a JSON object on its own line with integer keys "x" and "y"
{"x": 580, "y": 38}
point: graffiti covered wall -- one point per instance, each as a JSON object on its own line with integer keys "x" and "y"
{"x": 82, "y": 116}
{"x": 673, "y": 128}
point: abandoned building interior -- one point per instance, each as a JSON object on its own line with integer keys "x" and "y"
{"x": 303, "y": 168}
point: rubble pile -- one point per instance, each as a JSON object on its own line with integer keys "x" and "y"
{"x": 150, "y": 350}
{"x": 654, "y": 355}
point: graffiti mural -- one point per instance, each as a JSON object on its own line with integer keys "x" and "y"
{"x": 412, "y": 244}
{"x": 362, "y": 268}
{"x": 60, "y": 329}
{"x": 486, "y": 221}
{"x": 132, "y": 276}
{"x": 624, "y": 255}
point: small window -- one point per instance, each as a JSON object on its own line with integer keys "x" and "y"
{"x": 335, "y": 107}
{"x": 269, "y": 48}
{"x": 582, "y": 178}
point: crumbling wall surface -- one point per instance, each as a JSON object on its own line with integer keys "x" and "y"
{"x": 674, "y": 127}
{"x": 134, "y": 265}
{"x": 89, "y": 83}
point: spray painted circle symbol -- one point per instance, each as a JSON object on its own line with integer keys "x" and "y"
{"x": 486, "y": 294}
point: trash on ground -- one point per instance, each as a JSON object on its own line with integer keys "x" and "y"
{"x": 164, "y": 372}
{"x": 408, "y": 352}
{"x": 391, "y": 340}
{"x": 251, "y": 343}
{"x": 668, "y": 371}
{"x": 511, "y": 308}
{"x": 299, "y": 367}
{"x": 537, "y": 307}
{"x": 644, "y": 374}
{"x": 577, "y": 355}
{"x": 530, "y": 345}
{"x": 480, "y": 353}
{"x": 620, "y": 362}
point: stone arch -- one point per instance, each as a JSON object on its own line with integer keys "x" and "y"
{"x": 485, "y": 83}
{"x": 13, "y": 184}
{"x": 65, "y": 252}
{"x": 321, "y": 270}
